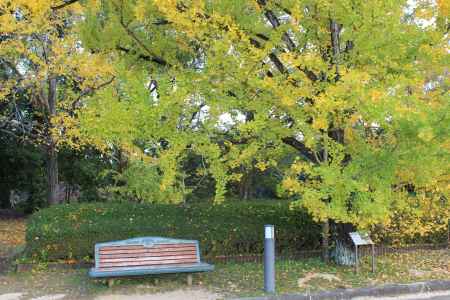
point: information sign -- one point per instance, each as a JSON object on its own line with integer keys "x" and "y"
{"x": 360, "y": 238}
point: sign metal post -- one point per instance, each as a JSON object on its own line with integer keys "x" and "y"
{"x": 361, "y": 239}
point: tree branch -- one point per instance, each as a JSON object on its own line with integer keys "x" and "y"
{"x": 161, "y": 22}
{"x": 64, "y": 4}
{"x": 12, "y": 67}
{"x": 90, "y": 91}
{"x": 301, "y": 147}
{"x": 15, "y": 129}
{"x": 275, "y": 22}
{"x": 143, "y": 56}
{"x": 277, "y": 62}
{"x": 154, "y": 57}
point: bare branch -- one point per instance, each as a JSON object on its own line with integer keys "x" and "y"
{"x": 64, "y": 4}
{"x": 275, "y": 22}
{"x": 143, "y": 56}
{"x": 277, "y": 62}
{"x": 161, "y": 22}
{"x": 301, "y": 147}
{"x": 12, "y": 67}
{"x": 154, "y": 57}
{"x": 90, "y": 91}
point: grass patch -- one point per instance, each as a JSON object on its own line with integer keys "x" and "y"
{"x": 245, "y": 279}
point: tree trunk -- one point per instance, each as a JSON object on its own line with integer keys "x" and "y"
{"x": 243, "y": 188}
{"x": 325, "y": 240}
{"x": 52, "y": 154}
{"x": 335, "y": 30}
{"x": 246, "y": 185}
{"x": 52, "y": 174}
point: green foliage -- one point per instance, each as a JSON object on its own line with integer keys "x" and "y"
{"x": 70, "y": 231}
{"x": 357, "y": 91}
{"x": 138, "y": 182}
{"x": 21, "y": 170}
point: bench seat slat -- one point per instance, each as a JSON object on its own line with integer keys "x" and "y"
{"x": 171, "y": 245}
{"x": 140, "y": 258}
{"x": 127, "y": 247}
{"x": 155, "y": 246}
{"x": 148, "y": 254}
{"x": 146, "y": 250}
{"x": 131, "y": 256}
{"x": 110, "y": 269}
{"x": 148, "y": 263}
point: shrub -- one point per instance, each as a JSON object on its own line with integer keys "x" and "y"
{"x": 71, "y": 230}
{"x": 417, "y": 221}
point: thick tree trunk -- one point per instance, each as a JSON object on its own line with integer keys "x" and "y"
{"x": 246, "y": 185}
{"x": 52, "y": 154}
{"x": 52, "y": 174}
{"x": 325, "y": 240}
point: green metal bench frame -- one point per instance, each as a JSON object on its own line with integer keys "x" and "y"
{"x": 148, "y": 242}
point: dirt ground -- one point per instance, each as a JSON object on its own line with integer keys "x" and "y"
{"x": 76, "y": 285}
{"x": 199, "y": 294}
{"x": 194, "y": 294}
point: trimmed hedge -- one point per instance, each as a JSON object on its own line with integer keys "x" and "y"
{"x": 71, "y": 230}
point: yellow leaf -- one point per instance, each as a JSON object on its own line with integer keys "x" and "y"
{"x": 320, "y": 123}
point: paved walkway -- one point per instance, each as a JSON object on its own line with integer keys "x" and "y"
{"x": 199, "y": 294}
{"x": 194, "y": 294}
{"x": 445, "y": 295}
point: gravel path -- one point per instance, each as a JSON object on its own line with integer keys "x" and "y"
{"x": 175, "y": 295}
{"x": 192, "y": 294}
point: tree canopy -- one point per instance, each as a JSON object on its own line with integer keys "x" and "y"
{"x": 358, "y": 90}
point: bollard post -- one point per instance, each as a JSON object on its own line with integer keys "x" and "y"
{"x": 269, "y": 259}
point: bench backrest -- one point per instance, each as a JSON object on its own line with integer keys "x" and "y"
{"x": 110, "y": 257}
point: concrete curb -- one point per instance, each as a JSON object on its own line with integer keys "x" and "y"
{"x": 389, "y": 290}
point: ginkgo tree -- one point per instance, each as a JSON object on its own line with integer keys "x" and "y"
{"x": 358, "y": 89}
{"x": 46, "y": 74}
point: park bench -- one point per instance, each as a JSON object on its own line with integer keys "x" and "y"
{"x": 146, "y": 256}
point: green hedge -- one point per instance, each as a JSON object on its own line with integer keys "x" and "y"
{"x": 71, "y": 230}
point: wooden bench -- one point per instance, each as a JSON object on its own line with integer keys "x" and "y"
{"x": 147, "y": 255}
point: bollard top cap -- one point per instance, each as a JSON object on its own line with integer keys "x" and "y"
{"x": 269, "y": 232}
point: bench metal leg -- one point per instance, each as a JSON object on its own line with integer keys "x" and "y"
{"x": 110, "y": 282}
{"x": 189, "y": 279}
